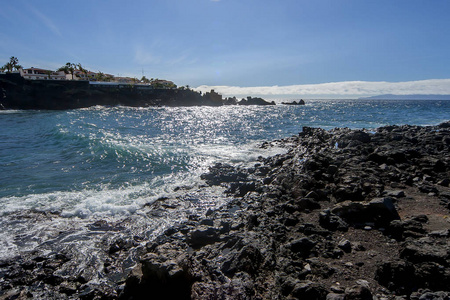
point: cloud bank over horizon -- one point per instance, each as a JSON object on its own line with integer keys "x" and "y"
{"x": 344, "y": 89}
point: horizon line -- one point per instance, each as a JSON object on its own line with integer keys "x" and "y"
{"x": 346, "y": 89}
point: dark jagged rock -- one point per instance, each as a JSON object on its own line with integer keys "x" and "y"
{"x": 300, "y": 102}
{"x": 344, "y": 214}
{"x": 222, "y": 173}
{"x": 378, "y": 211}
{"x": 255, "y": 101}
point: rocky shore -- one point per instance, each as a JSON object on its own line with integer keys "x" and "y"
{"x": 343, "y": 214}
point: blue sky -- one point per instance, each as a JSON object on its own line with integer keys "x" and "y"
{"x": 238, "y": 43}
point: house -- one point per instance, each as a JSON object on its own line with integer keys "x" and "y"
{"x": 42, "y": 74}
{"x": 80, "y": 75}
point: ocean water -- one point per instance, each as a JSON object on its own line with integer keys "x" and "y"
{"x": 73, "y": 181}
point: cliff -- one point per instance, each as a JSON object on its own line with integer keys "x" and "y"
{"x": 19, "y": 93}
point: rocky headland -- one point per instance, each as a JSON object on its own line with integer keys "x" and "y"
{"x": 343, "y": 214}
{"x": 19, "y": 93}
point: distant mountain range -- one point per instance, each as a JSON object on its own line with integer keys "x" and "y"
{"x": 407, "y": 97}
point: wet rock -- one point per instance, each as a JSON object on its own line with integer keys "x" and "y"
{"x": 244, "y": 188}
{"x": 248, "y": 260}
{"x": 203, "y": 235}
{"x": 223, "y": 173}
{"x": 163, "y": 274}
{"x": 353, "y": 139}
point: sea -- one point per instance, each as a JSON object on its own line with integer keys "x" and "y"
{"x": 74, "y": 181}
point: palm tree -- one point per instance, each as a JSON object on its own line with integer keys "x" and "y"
{"x": 68, "y": 68}
{"x": 71, "y": 67}
{"x": 100, "y": 76}
{"x": 8, "y": 67}
{"x": 83, "y": 70}
{"x": 14, "y": 61}
{"x": 12, "y": 64}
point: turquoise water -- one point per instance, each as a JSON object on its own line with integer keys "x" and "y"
{"x": 63, "y": 170}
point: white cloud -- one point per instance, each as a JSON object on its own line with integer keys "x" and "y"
{"x": 339, "y": 89}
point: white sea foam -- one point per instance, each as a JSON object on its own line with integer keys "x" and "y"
{"x": 104, "y": 201}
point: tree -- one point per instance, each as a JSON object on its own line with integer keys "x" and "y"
{"x": 12, "y": 64}
{"x": 8, "y": 67}
{"x": 68, "y": 68}
{"x": 83, "y": 70}
{"x": 71, "y": 67}
{"x": 100, "y": 76}
{"x": 14, "y": 61}
{"x": 145, "y": 79}
{"x": 64, "y": 69}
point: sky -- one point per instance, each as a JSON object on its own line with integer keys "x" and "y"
{"x": 273, "y": 48}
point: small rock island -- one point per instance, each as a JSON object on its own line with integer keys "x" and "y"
{"x": 300, "y": 102}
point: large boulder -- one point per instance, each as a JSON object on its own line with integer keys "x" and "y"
{"x": 163, "y": 274}
{"x": 380, "y": 211}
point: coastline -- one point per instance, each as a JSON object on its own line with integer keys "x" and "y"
{"x": 344, "y": 214}
{"x": 19, "y": 93}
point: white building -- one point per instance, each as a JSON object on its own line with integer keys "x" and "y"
{"x": 80, "y": 75}
{"x": 42, "y": 74}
